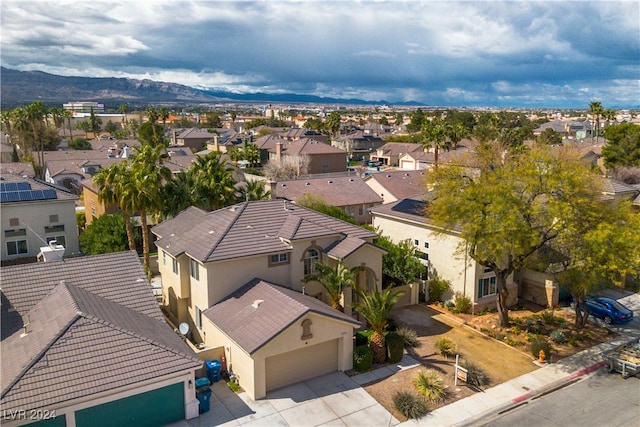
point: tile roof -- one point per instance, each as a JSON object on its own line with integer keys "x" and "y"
{"x": 259, "y": 311}
{"x": 397, "y": 148}
{"x": 299, "y": 146}
{"x": 33, "y": 184}
{"x": 18, "y": 168}
{"x": 245, "y": 229}
{"x": 410, "y": 208}
{"x": 337, "y": 191}
{"x": 400, "y": 183}
{"x": 23, "y": 286}
{"x": 343, "y": 248}
{"x": 79, "y": 344}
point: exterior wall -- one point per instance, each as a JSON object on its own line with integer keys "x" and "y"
{"x": 387, "y": 197}
{"x": 537, "y": 288}
{"x": 33, "y": 217}
{"x": 94, "y": 208}
{"x": 69, "y": 408}
{"x": 336, "y": 162}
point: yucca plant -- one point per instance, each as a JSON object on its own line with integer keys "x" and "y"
{"x": 411, "y": 406}
{"x": 430, "y": 385}
{"x": 445, "y": 346}
{"x": 409, "y": 336}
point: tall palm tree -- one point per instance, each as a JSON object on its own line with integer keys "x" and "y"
{"x": 113, "y": 184}
{"x": 375, "y": 307}
{"x": 148, "y": 176}
{"x": 596, "y": 110}
{"x": 334, "y": 280}
{"x": 163, "y": 114}
{"x": 178, "y": 194}
{"x": 435, "y": 136}
{"x": 456, "y": 132}
{"x": 153, "y": 115}
{"x": 36, "y": 113}
{"x": 215, "y": 185}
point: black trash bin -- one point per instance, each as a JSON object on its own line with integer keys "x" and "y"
{"x": 204, "y": 397}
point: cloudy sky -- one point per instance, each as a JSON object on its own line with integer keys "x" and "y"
{"x": 475, "y": 53}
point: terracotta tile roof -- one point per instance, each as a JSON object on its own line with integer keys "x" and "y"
{"x": 248, "y": 228}
{"x": 23, "y": 286}
{"x": 400, "y": 183}
{"x": 79, "y": 343}
{"x": 259, "y": 311}
{"x": 336, "y": 191}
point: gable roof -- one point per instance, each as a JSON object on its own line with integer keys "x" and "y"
{"x": 245, "y": 229}
{"x": 259, "y": 311}
{"x": 21, "y": 189}
{"x": 76, "y": 343}
{"x": 410, "y": 208}
{"x": 397, "y": 148}
{"x": 336, "y": 191}
{"x": 118, "y": 277}
{"x": 400, "y": 183}
{"x": 305, "y": 145}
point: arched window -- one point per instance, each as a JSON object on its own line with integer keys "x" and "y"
{"x": 310, "y": 258}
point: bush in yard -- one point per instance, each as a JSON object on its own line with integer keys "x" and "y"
{"x": 461, "y": 303}
{"x": 409, "y": 336}
{"x": 430, "y": 385}
{"x": 395, "y": 347}
{"x": 475, "y": 375}
{"x": 540, "y": 344}
{"x": 445, "y": 346}
{"x": 362, "y": 337}
{"x": 409, "y": 405}
{"x": 362, "y": 358}
{"x": 437, "y": 288}
{"x": 558, "y": 337}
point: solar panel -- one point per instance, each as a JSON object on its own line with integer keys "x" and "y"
{"x": 25, "y": 196}
{"x": 9, "y": 186}
{"x": 12, "y": 196}
{"x": 37, "y": 195}
{"x": 49, "y": 194}
{"x": 3, "y": 197}
{"x": 22, "y": 186}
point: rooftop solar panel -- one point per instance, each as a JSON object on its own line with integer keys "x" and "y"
{"x": 25, "y": 196}
{"x": 49, "y": 194}
{"x": 22, "y": 186}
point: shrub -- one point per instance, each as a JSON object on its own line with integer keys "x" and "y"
{"x": 437, "y": 288}
{"x": 409, "y": 405}
{"x": 79, "y": 143}
{"x": 538, "y": 345}
{"x": 461, "y": 303}
{"x": 430, "y": 385}
{"x": 558, "y": 337}
{"x": 395, "y": 347}
{"x": 409, "y": 336}
{"x": 392, "y": 326}
{"x": 475, "y": 375}
{"x": 362, "y": 358}
{"x": 363, "y": 337}
{"x": 445, "y": 346}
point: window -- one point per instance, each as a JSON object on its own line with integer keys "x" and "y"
{"x": 310, "y": 258}
{"x": 164, "y": 258}
{"x": 487, "y": 286}
{"x": 198, "y": 318}
{"x": 361, "y": 210}
{"x": 174, "y": 265}
{"x": 195, "y": 269}
{"x": 426, "y": 245}
{"x": 424, "y": 256}
{"x": 54, "y": 229}
{"x": 15, "y": 233}
{"x": 17, "y": 247}
{"x": 416, "y": 242}
{"x": 282, "y": 258}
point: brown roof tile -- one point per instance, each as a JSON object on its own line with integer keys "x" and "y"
{"x": 259, "y": 311}
{"x": 400, "y": 183}
{"x": 337, "y": 191}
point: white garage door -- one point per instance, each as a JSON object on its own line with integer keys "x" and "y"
{"x": 300, "y": 365}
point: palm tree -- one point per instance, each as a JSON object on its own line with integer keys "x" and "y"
{"x": 148, "y": 176}
{"x": 435, "y": 135}
{"x": 178, "y": 194}
{"x": 456, "y": 132}
{"x": 163, "y": 114}
{"x": 113, "y": 188}
{"x": 596, "y": 110}
{"x": 123, "y": 109}
{"x": 252, "y": 154}
{"x": 214, "y": 182}
{"x": 253, "y": 190}
{"x": 152, "y": 116}
{"x": 375, "y": 307}
{"x": 36, "y": 113}
{"x": 334, "y": 280}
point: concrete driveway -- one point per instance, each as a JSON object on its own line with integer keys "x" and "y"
{"x": 628, "y": 299}
{"x": 334, "y": 399}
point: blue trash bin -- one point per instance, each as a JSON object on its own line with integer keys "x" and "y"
{"x": 202, "y": 382}
{"x": 204, "y": 397}
{"x": 213, "y": 370}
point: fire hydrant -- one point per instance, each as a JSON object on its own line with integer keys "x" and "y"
{"x": 541, "y": 356}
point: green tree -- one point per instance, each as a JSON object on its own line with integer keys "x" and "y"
{"x": 109, "y": 127}
{"x": 178, "y": 194}
{"x": 79, "y": 143}
{"x": 318, "y": 204}
{"x": 417, "y": 121}
{"x": 36, "y": 113}
{"x": 94, "y": 122}
{"x": 435, "y": 136}
{"x": 314, "y": 123}
{"x": 334, "y": 280}
{"x": 152, "y": 117}
{"x": 549, "y": 137}
{"x": 332, "y": 123}
{"x": 105, "y": 234}
{"x": 623, "y": 145}
{"x": 517, "y": 204}
{"x": 401, "y": 264}
{"x": 595, "y": 110}
{"x": 163, "y": 114}
{"x": 214, "y": 182}
{"x": 456, "y": 132}
{"x": 214, "y": 121}
{"x": 253, "y": 190}
{"x": 375, "y": 307}
{"x": 150, "y": 133}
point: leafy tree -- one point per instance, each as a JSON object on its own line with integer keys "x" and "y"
{"x": 83, "y": 126}
{"x": 375, "y": 307}
{"x": 105, "y": 234}
{"x": 517, "y": 204}
{"x": 456, "y": 131}
{"x": 334, "y": 280}
{"x": 214, "y": 121}
{"x": 79, "y": 143}
{"x": 401, "y": 264}
{"x": 94, "y": 122}
{"x": 314, "y": 123}
{"x": 399, "y": 119}
{"x": 318, "y": 204}
{"x": 623, "y": 145}
{"x": 550, "y": 137}
{"x": 150, "y": 133}
{"x": 178, "y": 194}
{"x": 383, "y": 121}
{"x": 417, "y": 121}
{"x": 109, "y": 127}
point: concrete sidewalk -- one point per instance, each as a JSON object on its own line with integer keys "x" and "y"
{"x": 481, "y": 407}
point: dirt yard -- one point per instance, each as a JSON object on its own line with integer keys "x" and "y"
{"x": 500, "y": 361}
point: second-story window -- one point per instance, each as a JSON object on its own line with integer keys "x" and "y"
{"x": 195, "y": 269}
{"x": 310, "y": 258}
{"x": 277, "y": 259}
{"x": 174, "y": 265}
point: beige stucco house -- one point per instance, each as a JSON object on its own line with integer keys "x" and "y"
{"x": 210, "y": 261}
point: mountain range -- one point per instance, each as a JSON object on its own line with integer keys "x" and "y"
{"x": 24, "y": 87}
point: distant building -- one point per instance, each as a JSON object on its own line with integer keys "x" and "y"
{"x": 84, "y": 107}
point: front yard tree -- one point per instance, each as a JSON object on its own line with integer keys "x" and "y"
{"x": 104, "y": 235}
{"x": 623, "y": 145}
{"x": 375, "y": 307}
{"x": 512, "y": 206}
{"x": 334, "y": 280}
{"x": 401, "y": 263}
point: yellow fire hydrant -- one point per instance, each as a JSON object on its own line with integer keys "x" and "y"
{"x": 541, "y": 356}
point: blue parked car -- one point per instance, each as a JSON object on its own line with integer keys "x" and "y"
{"x": 609, "y": 310}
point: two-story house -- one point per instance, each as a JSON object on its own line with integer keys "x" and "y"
{"x": 323, "y": 158}
{"x": 33, "y": 214}
{"x": 236, "y": 275}
{"x": 358, "y": 145}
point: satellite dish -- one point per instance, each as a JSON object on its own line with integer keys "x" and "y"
{"x": 183, "y": 328}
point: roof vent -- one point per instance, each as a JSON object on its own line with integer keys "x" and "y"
{"x": 329, "y": 182}
{"x": 388, "y": 176}
{"x": 307, "y": 183}
{"x": 350, "y": 179}
{"x": 257, "y": 303}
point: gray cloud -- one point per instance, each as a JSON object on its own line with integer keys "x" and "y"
{"x": 455, "y": 53}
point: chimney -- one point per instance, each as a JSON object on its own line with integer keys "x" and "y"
{"x": 174, "y": 139}
{"x": 271, "y": 186}
{"x": 216, "y": 143}
{"x": 279, "y": 151}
